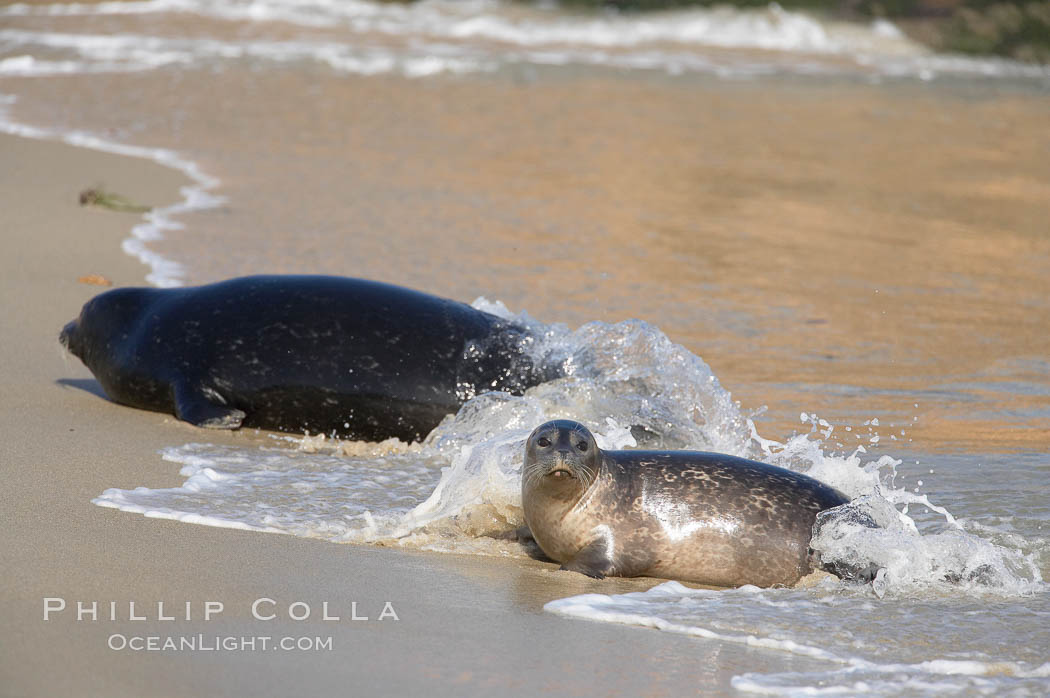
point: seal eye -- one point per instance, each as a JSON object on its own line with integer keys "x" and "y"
{"x": 543, "y": 442}
{"x": 582, "y": 445}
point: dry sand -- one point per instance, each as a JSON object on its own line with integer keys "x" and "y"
{"x": 468, "y": 625}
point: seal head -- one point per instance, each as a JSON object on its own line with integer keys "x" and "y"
{"x": 562, "y": 460}
{"x": 111, "y": 315}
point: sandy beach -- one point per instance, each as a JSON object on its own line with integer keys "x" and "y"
{"x": 468, "y": 625}
{"x": 842, "y": 227}
{"x": 883, "y": 241}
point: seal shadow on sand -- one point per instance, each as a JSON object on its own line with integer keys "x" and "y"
{"x": 88, "y": 385}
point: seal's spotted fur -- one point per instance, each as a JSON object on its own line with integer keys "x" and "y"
{"x": 702, "y": 517}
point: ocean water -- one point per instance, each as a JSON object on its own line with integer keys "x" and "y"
{"x": 960, "y": 603}
{"x": 457, "y": 36}
{"x": 481, "y": 148}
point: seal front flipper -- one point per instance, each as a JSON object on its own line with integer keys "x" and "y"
{"x": 523, "y": 535}
{"x": 204, "y": 408}
{"x": 591, "y": 560}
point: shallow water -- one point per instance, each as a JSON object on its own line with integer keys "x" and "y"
{"x": 958, "y": 605}
{"x": 846, "y": 232}
{"x": 933, "y": 645}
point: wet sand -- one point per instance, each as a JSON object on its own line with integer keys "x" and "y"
{"x": 468, "y": 625}
{"x": 831, "y": 247}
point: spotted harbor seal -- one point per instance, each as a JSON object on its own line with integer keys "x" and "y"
{"x": 330, "y": 355}
{"x": 701, "y": 517}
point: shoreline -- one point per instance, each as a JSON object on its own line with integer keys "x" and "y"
{"x": 830, "y": 341}
{"x": 773, "y": 214}
{"x": 965, "y": 27}
{"x": 195, "y": 194}
{"x": 69, "y": 444}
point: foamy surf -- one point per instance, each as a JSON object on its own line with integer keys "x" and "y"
{"x": 866, "y": 646}
{"x": 157, "y": 222}
{"x": 634, "y": 387}
{"x": 463, "y": 480}
{"x": 433, "y": 37}
{"x": 950, "y": 610}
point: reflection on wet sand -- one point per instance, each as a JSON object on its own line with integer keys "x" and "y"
{"x": 832, "y": 248}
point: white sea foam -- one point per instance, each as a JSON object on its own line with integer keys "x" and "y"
{"x": 108, "y": 53}
{"x": 311, "y": 491}
{"x": 163, "y": 272}
{"x": 771, "y": 28}
{"x": 865, "y": 646}
{"x": 900, "y": 635}
{"x": 633, "y": 387}
{"x": 464, "y": 480}
{"x": 443, "y": 36}
{"x": 29, "y": 66}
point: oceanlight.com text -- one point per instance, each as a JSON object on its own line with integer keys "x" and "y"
{"x": 218, "y": 643}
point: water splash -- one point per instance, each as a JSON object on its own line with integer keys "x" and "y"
{"x": 633, "y": 387}
{"x": 628, "y": 381}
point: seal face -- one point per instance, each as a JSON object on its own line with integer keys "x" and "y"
{"x": 331, "y": 355}
{"x": 701, "y": 517}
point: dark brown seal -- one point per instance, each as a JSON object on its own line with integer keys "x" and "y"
{"x": 702, "y": 517}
